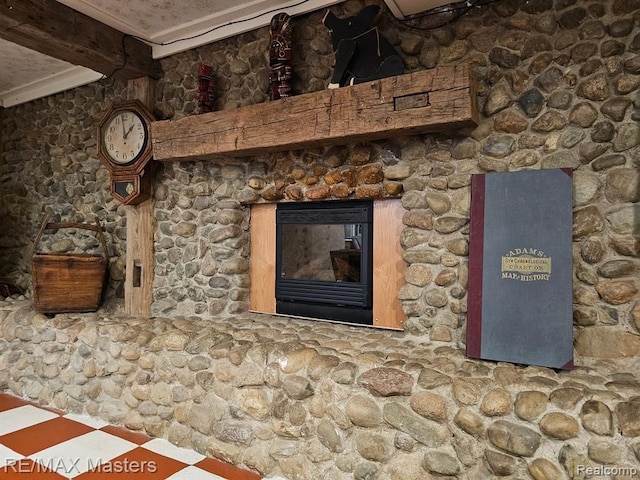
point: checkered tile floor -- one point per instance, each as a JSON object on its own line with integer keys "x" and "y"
{"x": 37, "y": 443}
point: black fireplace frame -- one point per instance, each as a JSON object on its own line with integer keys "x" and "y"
{"x": 349, "y": 302}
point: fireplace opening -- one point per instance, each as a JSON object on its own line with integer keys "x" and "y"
{"x": 324, "y": 260}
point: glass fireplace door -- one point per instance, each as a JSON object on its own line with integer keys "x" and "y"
{"x": 324, "y": 259}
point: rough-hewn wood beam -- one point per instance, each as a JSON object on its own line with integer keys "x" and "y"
{"x": 438, "y": 100}
{"x": 56, "y": 30}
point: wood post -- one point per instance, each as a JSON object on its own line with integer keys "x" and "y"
{"x": 138, "y": 286}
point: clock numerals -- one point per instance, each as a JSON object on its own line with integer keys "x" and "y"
{"x": 125, "y": 137}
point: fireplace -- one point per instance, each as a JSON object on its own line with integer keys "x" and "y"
{"x": 370, "y": 232}
{"x": 324, "y": 260}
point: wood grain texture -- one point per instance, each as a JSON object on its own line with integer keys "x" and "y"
{"x": 263, "y": 258}
{"x": 138, "y": 287}
{"x": 363, "y": 112}
{"x": 140, "y": 262}
{"x": 61, "y": 32}
{"x": 388, "y": 265}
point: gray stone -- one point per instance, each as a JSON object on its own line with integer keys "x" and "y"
{"x": 500, "y": 463}
{"x": 421, "y": 429}
{"x": 531, "y": 102}
{"x": 330, "y": 436}
{"x": 623, "y": 220}
{"x": 623, "y": 185}
{"x": 616, "y": 108}
{"x": 499, "y": 145}
{"x": 628, "y": 136}
{"x": 297, "y": 387}
{"x": 587, "y": 187}
{"x": 374, "y": 447}
{"x": 617, "y": 268}
{"x": 513, "y": 438}
{"x": 550, "y": 121}
{"x": 450, "y": 224}
{"x": 431, "y": 379}
{"x": 550, "y": 80}
{"x": 441, "y": 463}
{"x": 233, "y": 431}
{"x": 584, "y": 115}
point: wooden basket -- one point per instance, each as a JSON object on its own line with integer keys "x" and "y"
{"x": 68, "y": 282}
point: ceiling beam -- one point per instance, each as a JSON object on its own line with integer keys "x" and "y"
{"x": 54, "y": 29}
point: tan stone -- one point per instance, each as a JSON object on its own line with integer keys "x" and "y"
{"x": 617, "y": 292}
{"x": 604, "y": 452}
{"x": 297, "y": 360}
{"x": 363, "y": 411}
{"x": 469, "y": 421}
{"x": 606, "y": 342}
{"x": 531, "y": 404}
{"x": 566, "y": 398}
{"x": 597, "y": 418}
{"x": 635, "y": 316}
{"x": 559, "y": 425}
{"x": 543, "y": 469}
{"x": 496, "y": 403}
{"x": 429, "y": 405}
{"x": 513, "y": 438}
{"x": 628, "y": 414}
{"x": 466, "y": 391}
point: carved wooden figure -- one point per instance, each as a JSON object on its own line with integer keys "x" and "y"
{"x": 280, "y": 71}
{"x": 362, "y": 54}
{"x": 205, "y": 88}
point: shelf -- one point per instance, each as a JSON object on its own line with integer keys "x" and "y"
{"x": 430, "y": 101}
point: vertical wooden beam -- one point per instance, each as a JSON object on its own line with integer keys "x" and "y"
{"x": 388, "y": 265}
{"x": 138, "y": 286}
{"x": 263, "y": 258}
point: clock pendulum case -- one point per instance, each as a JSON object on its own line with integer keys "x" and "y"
{"x": 124, "y": 147}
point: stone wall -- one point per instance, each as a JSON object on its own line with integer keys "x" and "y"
{"x": 558, "y": 87}
{"x": 316, "y": 401}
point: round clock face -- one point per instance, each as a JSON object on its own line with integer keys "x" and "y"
{"x": 125, "y": 136}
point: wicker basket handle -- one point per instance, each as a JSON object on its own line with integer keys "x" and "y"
{"x": 57, "y": 225}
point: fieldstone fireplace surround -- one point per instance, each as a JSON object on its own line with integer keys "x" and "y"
{"x": 558, "y": 83}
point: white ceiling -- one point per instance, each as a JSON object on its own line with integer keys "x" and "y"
{"x": 26, "y": 74}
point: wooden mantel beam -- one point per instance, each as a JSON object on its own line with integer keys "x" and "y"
{"x": 51, "y": 28}
{"x": 438, "y": 100}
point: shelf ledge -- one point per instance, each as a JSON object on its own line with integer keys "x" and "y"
{"x": 430, "y": 101}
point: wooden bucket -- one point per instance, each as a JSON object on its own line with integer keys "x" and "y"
{"x": 68, "y": 282}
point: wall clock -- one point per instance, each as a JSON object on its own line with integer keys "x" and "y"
{"x": 124, "y": 147}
